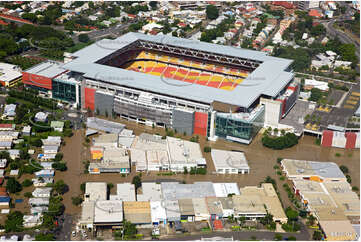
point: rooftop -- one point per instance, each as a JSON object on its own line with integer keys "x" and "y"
{"x": 126, "y": 192}
{"x": 95, "y": 191}
{"x": 48, "y": 69}
{"x": 268, "y": 79}
{"x": 229, "y": 159}
{"x": 9, "y": 72}
{"x": 108, "y": 211}
{"x": 175, "y": 190}
{"x": 104, "y": 125}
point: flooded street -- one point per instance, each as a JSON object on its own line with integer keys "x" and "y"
{"x": 261, "y": 161}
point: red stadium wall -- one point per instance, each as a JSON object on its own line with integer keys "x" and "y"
{"x": 200, "y": 123}
{"x": 89, "y": 98}
{"x": 350, "y": 140}
{"x": 327, "y": 137}
{"x": 36, "y": 80}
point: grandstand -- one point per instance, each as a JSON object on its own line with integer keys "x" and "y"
{"x": 191, "y": 86}
{"x": 184, "y": 69}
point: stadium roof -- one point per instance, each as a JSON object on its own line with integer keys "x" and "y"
{"x": 48, "y": 69}
{"x": 268, "y": 79}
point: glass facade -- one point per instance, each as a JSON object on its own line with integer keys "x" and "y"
{"x": 64, "y": 91}
{"x": 231, "y": 127}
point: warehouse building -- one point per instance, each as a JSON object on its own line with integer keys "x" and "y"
{"x": 125, "y": 192}
{"x": 138, "y": 213}
{"x": 176, "y": 191}
{"x": 151, "y": 191}
{"x": 10, "y": 75}
{"x": 313, "y": 170}
{"x": 229, "y": 162}
{"x": 95, "y": 191}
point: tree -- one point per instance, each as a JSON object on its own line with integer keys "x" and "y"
{"x": 277, "y": 237}
{"x": 77, "y": 200}
{"x": 207, "y": 149}
{"x": 60, "y": 166}
{"x": 56, "y": 207}
{"x": 60, "y": 187}
{"x": 14, "y": 222}
{"x": 129, "y": 229}
{"x": 311, "y": 220}
{"x": 83, "y": 38}
{"x": 28, "y": 194}
{"x": 344, "y": 169}
{"x": 137, "y": 181}
{"x": 317, "y": 235}
{"x": 58, "y": 156}
{"x": 27, "y": 183}
{"x": 212, "y": 12}
{"x": 185, "y": 170}
{"x": 292, "y": 215}
{"x": 13, "y": 186}
{"x": 44, "y": 237}
{"x": 82, "y": 187}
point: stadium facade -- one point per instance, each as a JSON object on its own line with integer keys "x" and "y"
{"x": 191, "y": 86}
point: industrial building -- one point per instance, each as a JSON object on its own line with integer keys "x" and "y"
{"x": 229, "y": 162}
{"x": 190, "y": 86}
{"x": 346, "y": 140}
{"x": 10, "y": 75}
{"x": 312, "y": 170}
{"x": 325, "y": 193}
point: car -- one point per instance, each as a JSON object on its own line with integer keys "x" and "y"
{"x": 73, "y": 233}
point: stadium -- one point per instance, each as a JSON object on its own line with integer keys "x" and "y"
{"x": 190, "y": 86}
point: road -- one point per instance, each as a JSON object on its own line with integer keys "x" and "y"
{"x": 342, "y": 36}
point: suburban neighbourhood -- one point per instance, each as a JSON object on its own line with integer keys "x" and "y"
{"x": 179, "y": 120}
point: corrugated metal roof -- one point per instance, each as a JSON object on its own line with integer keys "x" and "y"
{"x": 48, "y": 69}
{"x": 268, "y": 79}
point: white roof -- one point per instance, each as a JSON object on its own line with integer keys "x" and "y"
{"x": 183, "y": 151}
{"x": 126, "y": 191}
{"x": 108, "y": 211}
{"x": 317, "y": 84}
{"x": 96, "y": 190}
{"x": 224, "y": 189}
{"x": 224, "y": 159}
{"x": 9, "y": 72}
{"x": 151, "y": 192}
{"x": 157, "y": 211}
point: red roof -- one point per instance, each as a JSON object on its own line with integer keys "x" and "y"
{"x": 284, "y": 4}
{"x": 217, "y": 224}
{"x": 182, "y": 25}
{"x": 3, "y": 22}
{"x": 153, "y": 32}
{"x": 314, "y": 13}
{"x": 6, "y": 16}
{"x": 251, "y": 9}
{"x": 132, "y": 15}
{"x": 6, "y": 125}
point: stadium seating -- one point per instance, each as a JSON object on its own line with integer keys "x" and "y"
{"x": 181, "y": 69}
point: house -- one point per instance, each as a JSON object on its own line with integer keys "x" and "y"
{"x": 4, "y": 202}
{"x": 26, "y": 130}
{"x": 7, "y": 127}
{"x": 42, "y": 192}
{"x": 8, "y": 135}
{"x": 14, "y": 153}
{"x": 47, "y": 165}
{"x": 5, "y": 145}
{"x": 52, "y": 140}
{"x": 3, "y": 163}
{"x": 9, "y": 110}
{"x": 32, "y": 220}
{"x": 42, "y": 182}
{"x": 35, "y": 202}
{"x": 45, "y": 173}
{"x": 41, "y": 117}
{"x": 57, "y": 125}
{"x": 50, "y": 149}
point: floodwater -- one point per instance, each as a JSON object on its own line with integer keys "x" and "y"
{"x": 261, "y": 161}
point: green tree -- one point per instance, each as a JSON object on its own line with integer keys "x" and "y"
{"x": 344, "y": 169}
{"x": 317, "y": 235}
{"x": 28, "y": 194}
{"x": 60, "y": 187}
{"x": 137, "y": 181}
{"x": 13, "y": 186}
{"x": 291, "y": 214}
{"x": 212, "y": 12}
{"x": 77, "y": 200}
{"x": 60, "y": 166}
{"x": 129, "y": 229}
{"x": 83, "y": 38}
{"x": 14, "y": 222}
{"x": 44, "y": 237}
{"x": 27, "y": 183}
